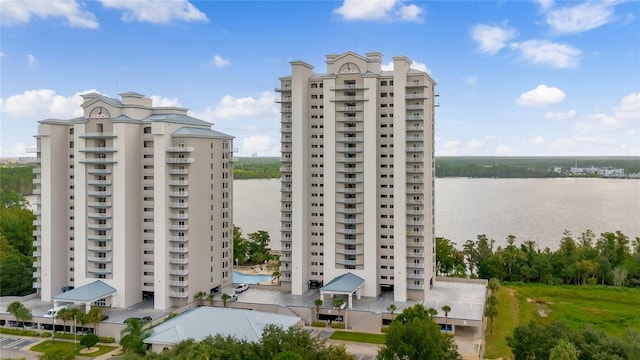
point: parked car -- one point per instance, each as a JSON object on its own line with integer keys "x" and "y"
{"x": 232, "y": 297}
{"x": 105, "y": 317}
{"x": 241, "y": 288}
{"x": 142, "y": 319}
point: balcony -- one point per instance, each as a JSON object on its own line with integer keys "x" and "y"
{"x": 99, "y": 237}
{"x": 349, "y": 252}
{"x": 99, "y": 259}
{"x": 415, "y": 149}
{"x": 176, "y": 294}
{"x": 284, "y": 88}
{"x": 349, "y": 160}
{"x": 99, "y": 193}
{"x": 99, "y": 271}
{"x": 99, "y": 215}
{"x": 350, "y": 128}
{"x": 179, "y": 205}
{"x": 99, "y": 226}
{"x": 349, "y": 262}
{"x": 178, "y": 272}
{"x": 415, "y": 117}
{"x": 99, "y": 171}
{"x": 36, "y": 191}
{"x": 415, "y": 287}
{"x": 412, "y": 265}
{"x": 415, "y": 223}
{"x": 415, "y": 254}
{"x": 178, "y": 172}
{"x": 350, "y": 149}
{"x": 415, "y": 191}
{"x": 353, "y": 170}
{"x": 415, "y": 276}
{"x": 416, "y": 84}
{"x": 178, "y": 182}
{"x": 416, "y": 96}
{"x": 350, "y": 180}
{"x": 350, "y": 200}
{"x": 178, "y": 149}
{"x": 349, "y": 118}
{"x": 37, "y": 223}
{"x": 99, "y": 204}
{"x": 98, "y": 161}
{"x": 98, "y": 135}
{"x": 350, "y": 211}
{"x": 179, "y": 283}
{"x": 285, "y": 109}
{"x": 355, "y": 190}
{"x": 99, "y": 248}
{"x": 179, "y": 160}
{"x": 350, "y": 139}
{"x": 179, "y": 216}
{"x": 349, "y": 87}
{"x": 99, "y": 182}
{"x": 178, "y": 261}
{"x": 349, "y": 108}
{"x": 36, "y": 181}
{"x": 179, "y": 193}
{"x": 179, "y": 250}
{"x": 36, "y": 233}
{"x": 414, "y": 107}
{"x": 286, "y": 99}
{"x": 179, "y": 227}
{"x": 98, "y": 149}
{"x": 349, "y": 98}
{"x": 349, "y": 221}
{"x": 36, "y": 170}
{"x": 179, "y": 238}
{"x": 350, "y": 231}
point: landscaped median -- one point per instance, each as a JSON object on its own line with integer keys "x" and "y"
{"x": 50, "y": 346}
{"x": 358, "y": 337}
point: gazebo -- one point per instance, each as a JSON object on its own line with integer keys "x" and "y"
{"x": 345, "y": 284}
{"x": 86, "y": 294}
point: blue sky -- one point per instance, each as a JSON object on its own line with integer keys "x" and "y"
{"x": 516, "y": 78}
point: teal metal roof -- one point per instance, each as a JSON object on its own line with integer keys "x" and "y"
{"x": 201, "y": 322}
{"x": 345, "y": 283}
{"x": 200, "y": 132}
{"x": 90, "y": 292}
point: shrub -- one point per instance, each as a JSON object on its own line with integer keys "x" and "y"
{"x": 106, "y": 339}
{"x": 17, "y": 332}
{"x": 89, "y": 340}
{"x": 319, "y": 324}
{"x": 338, "y": 326}
{"x": 45, "y": 334}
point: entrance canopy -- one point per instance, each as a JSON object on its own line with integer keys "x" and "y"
{"x": 86, "y": 294}
{"x": 345, "y": 284}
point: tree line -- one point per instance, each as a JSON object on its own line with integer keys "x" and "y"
{"x": 608, "y": 259}
{"x": 16, "y": 245}
{"x": 18, "y": 178}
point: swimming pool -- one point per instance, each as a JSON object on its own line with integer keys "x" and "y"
{"x": 240, "y": 278}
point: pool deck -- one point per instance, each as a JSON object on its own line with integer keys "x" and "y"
{"x": 257, "y": 270}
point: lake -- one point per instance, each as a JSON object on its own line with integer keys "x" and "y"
{"x": 530, "y": 209}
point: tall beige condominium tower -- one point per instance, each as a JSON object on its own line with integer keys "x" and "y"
{"x": 358, "y": 176}
{"x": 135, "y": 196}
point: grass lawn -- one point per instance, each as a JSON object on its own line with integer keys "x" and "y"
{"x": 67, "y": 345}
{"x": 358, "y": 337}
{"x": 606, "y": 308}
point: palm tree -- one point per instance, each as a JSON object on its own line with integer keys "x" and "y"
{"x": 210, "y": 298}
{"x": 491, "y": 311}
{"x": 14, "y": 309}
{"x": 200, "y": 296}
{"x": 493, "y": 285}
{"x": 275, "y": 275}
{"x": 133, "y": 336}
{"x": 225, "y": 298}
{"x": 337, "y": 303}
{"x": 432, "y": 312}
{"x": 64, "y": 315}
{"x": 392, "y": 308}
{"x": 94, "y": 316}
{"x": 318, "y": 303}
{"x": 75, "y": 313}
{"x": 446, "y": 309}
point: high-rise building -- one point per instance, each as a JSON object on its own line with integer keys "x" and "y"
{"x": 136, "y": 196}
{"x": 358, "y": 176}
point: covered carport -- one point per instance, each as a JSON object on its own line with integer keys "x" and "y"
{"x": 86, "y": 295}
{"x": 345, "y": 284}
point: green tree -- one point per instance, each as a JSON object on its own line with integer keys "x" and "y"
{"x": 564, "y": 350}
{"x": 94, "y": 316}
{"x": 199, "y": 297}
{"x": 318, "y": 303}
{"x": 288, "y": 355}
{"x": 392, "y": 308}
{"x": 64, "y": 315}
{"x": 491, "y": 310}
{"x": 432, "y": 312}
{"x": 414, "y": 336}
{"x": 16, "y": 274}
{"x": 493, "y": 285}
{"x": 259, "y": 250}
{"x": 337, "y": 303}
{"x": 20, "y": 312}
{"x": 133, "y": 336}
{"x": 276, "y": 340}
{"x": 210, "y": 298}
{"x": 225, "y": 297}
{"x": 240, "y": 246}
{"x": 275, "y": 275}
{"x": 446, "y": 309}
{"x": 89, "y": 340}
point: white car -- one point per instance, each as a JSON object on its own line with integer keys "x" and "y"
{"x": 232, "y": 297}
{"x": 241, "y": 288}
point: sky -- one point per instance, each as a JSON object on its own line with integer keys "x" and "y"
{"x": 516, "y": 78}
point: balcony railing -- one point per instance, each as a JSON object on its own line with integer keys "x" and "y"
{"x": 179, "y": 238}
{"x": 180, "y": 250}
{"x": 178, "y": 261}
{"x": 177, "y": 294}
{"x": 180, "y": 160}
{"x": 179, "y": 205}
{"x": 180, "y": 149}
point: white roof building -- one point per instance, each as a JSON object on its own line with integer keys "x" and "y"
{"x": 201, "y": 322}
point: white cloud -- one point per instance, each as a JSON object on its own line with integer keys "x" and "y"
{"x": 156, "y": 11}
{"x": 503, "y": 150}
{"x": 233, "y": 108}
{"x": 545, "y": 4}
{"x": 18, "y": 149}
{"x": 218, "y": 61}
{"x": 536, "y": 140}
{"x": 542, "y": 95}
{"x": 42, "y": 104}
{"x": 547, "y": 53}
{"x": 160, "y": 101}
{"x": 20, "y": 12}
{"x": 560, "y": 115}
{"x": 32, "y": 60}
{"x": 581, "y": 17}
{"x": 472, "y": 80}
{"x": 474, "y": 144}
{"x": 380, "y": 10}
{"x": 261, "y": 145}
{"x": 491, "y": 39}
{"x": 414, "y": 65}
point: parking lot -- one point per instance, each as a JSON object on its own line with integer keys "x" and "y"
{"x": 12, "y": 343}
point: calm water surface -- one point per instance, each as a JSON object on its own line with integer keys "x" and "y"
{"x": 530, "y": 209}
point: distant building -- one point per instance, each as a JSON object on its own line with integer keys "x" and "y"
{"x": 357, "y": 176}
{"x": 139, "y": 197}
